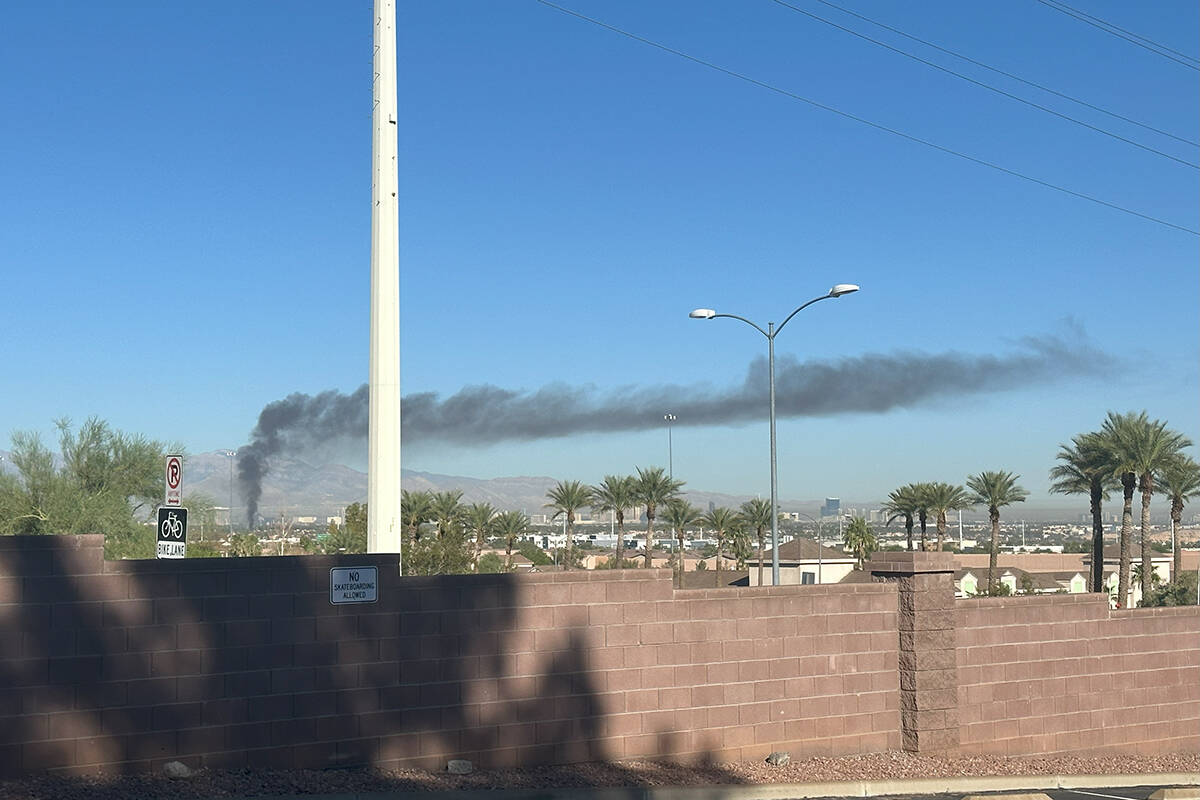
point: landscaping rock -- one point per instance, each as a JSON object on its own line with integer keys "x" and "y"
{"x": 459, "y": 766}
{"x": 176, "y": 769}
{"x": 779, "y": 758}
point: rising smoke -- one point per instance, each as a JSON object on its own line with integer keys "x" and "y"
{"x": 482, "y": 415}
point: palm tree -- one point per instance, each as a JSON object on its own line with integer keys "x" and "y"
{"x": 416, "y": 508}
{"x": 615, "y": 494}
{"x": 478, "y": 519}
{"x": 859, "y": 540}
{"x": 654, "y": 488}
{"x": 921, "y": 494}
{"x": 942, "y": 497}
{"x": 756, "y": 514}
{"x": 1112, "y": 433}
{"x": 446, "y": 511}
{"x": 567, "y": 497}
{"x": 722, "y": 521}
{"x": 510, "y": 526}
{"x": 903, "y": 502}
{"x": 1180, "y": 482}
{"x": 679, "y": 515}
{"x": 995, "y": 490}
{"x": 1085, "y": 468}
{"x": 1145, "y": 447}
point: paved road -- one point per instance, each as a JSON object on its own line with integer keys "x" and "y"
{"x": 1098, "y": 793}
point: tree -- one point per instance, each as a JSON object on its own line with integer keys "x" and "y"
{"x": 995, "y": 490}
{"x": 535, "y": 554}
{"x": 903, "y": 502}
{"x": 1145, "y": 447}
{"x": 489, "y": 564}
{"x": 859, "y": 540}
{"x": 1112, "y": 432}
{"x": 1180, "y": 483}
{"x": 722, "y": 521}
{"x": 615, "y": 494}
{"x": 566, "y": 498}
{"x": 416, "y": 508}
{"x": 244, "y": 545}
{"x": 446, "y": 512}
{"x": 1085, "y": 467}
{"x": 942, "y": 497}
{"x": 510, "y": 526}
{"x": 756, "y": 514}
{"x": 478, "y": 518}
{"x": 921, "y": 495}
{"x": 1179, "y": 592}
{"x": 351, "y": 535}
{"x": 679, "y": 515}
{"x": 107, "y": 482}
{"x": 654, "y": 488}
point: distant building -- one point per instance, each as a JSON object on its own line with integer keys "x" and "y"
{"x": 832, "y": 507}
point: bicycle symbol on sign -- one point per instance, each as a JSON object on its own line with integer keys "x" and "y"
{"x": 172, "y": 526}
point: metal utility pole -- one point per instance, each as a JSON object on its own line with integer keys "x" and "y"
{"x": 383, "y": 431}
{"x": 670, "y": 446}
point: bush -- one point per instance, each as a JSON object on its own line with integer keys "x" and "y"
{"x": 1179, "y": 592}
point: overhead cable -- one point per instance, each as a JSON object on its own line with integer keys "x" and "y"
{"x": 987, "y": 86}
{"x": 876, "y": 125}
{"x": 1121, "y": 33}
{"x": 1010, "y": 75}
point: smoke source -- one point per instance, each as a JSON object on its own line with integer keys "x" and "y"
{"x": 482, "y": 415}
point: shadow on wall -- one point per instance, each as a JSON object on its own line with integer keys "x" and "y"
{"x": 119, "y": 667}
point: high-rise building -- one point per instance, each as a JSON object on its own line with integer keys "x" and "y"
{"x": 832, "y": 507}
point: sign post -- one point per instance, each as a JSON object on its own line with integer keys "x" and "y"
{"x": 172, "y": 516}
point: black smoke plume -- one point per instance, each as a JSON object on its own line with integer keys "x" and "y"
{"x": 482, "y": 415}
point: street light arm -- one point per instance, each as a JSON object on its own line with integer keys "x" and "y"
{"x": 801, "y": 308}
{"x": 748, "y": 322}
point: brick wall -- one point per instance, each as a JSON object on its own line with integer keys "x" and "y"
{"x": 1063, "y": 674}
{"x": 120, "y": 666}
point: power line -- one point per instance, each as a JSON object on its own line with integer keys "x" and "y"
{"x": 987, "y": 86}
{"x": 1121, "y": 33}
{"x": 876, "y": 125}
{"x": 1010, "y": 75}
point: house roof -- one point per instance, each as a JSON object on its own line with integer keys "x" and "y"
{"x": 806, "y": 550}
{"x": 1112, "y": 552}
{"x": 857, "y": 576}
{"x": 1040, "y": 580}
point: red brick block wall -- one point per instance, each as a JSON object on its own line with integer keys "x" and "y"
{"x": 120, "y": 666}
{"x": 1063, "y": 674}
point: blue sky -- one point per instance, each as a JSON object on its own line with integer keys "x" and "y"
{"x": 186, "y": 212}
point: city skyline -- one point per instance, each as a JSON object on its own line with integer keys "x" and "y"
{"x": 568, "y": 195}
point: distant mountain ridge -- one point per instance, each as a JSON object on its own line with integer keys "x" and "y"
{"x": 297, "y": 488}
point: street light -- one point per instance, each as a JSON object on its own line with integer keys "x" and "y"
{"x": 670, "y": 448}
{"x": 771, "y": 332}
{"x": 229, "y": 516}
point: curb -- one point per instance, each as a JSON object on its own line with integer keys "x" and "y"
{"x": 785, "y": 791}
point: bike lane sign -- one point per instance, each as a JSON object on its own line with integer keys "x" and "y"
{"x": 172, "y": 532}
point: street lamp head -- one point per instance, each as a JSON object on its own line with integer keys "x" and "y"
{"x": 704, "y": 313}
{"x": 843, "y": 288}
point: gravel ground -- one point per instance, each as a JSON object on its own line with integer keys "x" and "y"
{"x": 212, "y": 783}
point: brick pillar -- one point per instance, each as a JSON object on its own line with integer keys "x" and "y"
{"x": 928, "y": 670}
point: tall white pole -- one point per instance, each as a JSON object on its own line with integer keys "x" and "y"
{"x": 383, "y": 437}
